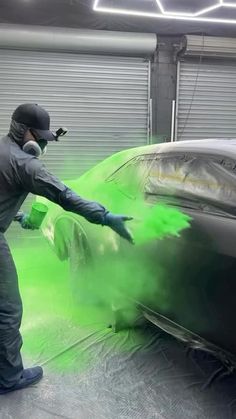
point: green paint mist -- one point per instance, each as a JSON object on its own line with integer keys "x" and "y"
{"x": 126, "y": 274}
{"x": 65, "y": 317}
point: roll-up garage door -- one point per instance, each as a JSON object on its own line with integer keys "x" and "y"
{"x": 102, "y": 100}
{"x": 206, "y": 99}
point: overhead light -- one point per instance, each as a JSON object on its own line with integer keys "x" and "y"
{"x": 159, "y": 3}
{"x": 226, "y": 4}
{"x": 176, "y": 15}
{"x": 208, "y": 9}
{"x": 200, "y": 12}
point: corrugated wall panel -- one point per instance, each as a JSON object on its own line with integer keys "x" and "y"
{"x": 206, "y": 100}
{"x": 103, "y": 101}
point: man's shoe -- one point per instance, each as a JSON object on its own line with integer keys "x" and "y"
{"x": 29, "y": 376}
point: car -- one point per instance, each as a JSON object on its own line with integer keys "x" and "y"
{"x": 186, "y": 283}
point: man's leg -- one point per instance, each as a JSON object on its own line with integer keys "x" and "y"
{"x": 11, "y": 367}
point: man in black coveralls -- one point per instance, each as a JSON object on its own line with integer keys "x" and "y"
{"x": 21, "y": 172}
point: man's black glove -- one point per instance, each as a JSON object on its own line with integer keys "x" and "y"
{"x": 117, "y": 223}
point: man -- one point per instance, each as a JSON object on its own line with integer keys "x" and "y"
{"x": 21, "y": 172}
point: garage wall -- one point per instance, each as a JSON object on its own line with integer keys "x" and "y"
{"x": 102, "y": 100}
{"x": 206, "y": 100}
{"x": 163, "y": 92}
{"x": 206, "y": 89}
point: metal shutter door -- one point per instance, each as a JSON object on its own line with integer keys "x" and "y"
{"x": 206, "y": 100}
{"x": 103, "y": 101}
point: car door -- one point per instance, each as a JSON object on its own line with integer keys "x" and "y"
{"x": 200, "y": 266}
{"x": 202, "y": 186}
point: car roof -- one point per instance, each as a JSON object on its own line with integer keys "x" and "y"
{"x": 217, "y": 146}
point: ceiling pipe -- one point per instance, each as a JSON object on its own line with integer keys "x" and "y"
{"x": 43, "y": 38}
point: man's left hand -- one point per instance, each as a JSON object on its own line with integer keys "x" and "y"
{"x": 117, "y": 223}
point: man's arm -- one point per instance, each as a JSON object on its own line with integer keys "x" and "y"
{"x": 35, "y": 178}
{"x": 92, "y": 211}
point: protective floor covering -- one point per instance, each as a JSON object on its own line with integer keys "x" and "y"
{"x": 90, "y": 372}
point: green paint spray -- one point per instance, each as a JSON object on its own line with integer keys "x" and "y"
{"x": 64, "y": 317}
{"x": 119, "y": 278}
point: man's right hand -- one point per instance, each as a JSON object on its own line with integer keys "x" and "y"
{"x": 23, "y": 219}
{"x": 25, "y": 223}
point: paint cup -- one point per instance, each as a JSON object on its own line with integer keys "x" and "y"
{"x": 37, "y": 214}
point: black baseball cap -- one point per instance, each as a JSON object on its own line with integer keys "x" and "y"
{"x": 36, "y": 119}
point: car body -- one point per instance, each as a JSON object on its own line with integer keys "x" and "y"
{"x": 199, "y": 284}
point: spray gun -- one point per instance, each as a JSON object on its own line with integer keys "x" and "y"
{"x": 34, "y": 219}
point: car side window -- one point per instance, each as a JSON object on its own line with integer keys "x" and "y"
{"x": 208, "y": 180}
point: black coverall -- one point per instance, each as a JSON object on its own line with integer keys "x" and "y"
{"x": 21, "y": 173}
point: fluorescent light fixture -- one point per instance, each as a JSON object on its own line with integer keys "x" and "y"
{"x": 229, "y": 4}
{"x": 200, "y": 12}
{"x": 195, "y": 17}
{"x": 208, "y": 9}
{"x": 160, "y": 6}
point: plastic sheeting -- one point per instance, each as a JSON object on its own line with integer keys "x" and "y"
{"x": 193, "y": 180}
{"x": 194, "y": 176}
{"x": 90, "y": 372}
